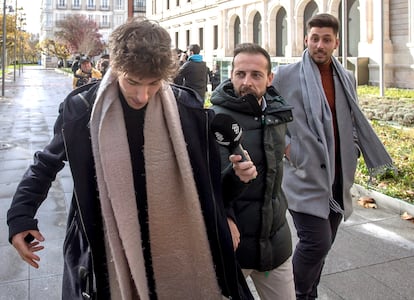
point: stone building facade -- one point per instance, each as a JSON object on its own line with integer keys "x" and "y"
{"x": 379, "y": 39}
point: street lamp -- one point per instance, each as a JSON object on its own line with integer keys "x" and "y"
{"x": 16, "y": 11}
{"x": 20, "y": 29}
{"x": 3, "y": 55}
{"x": 4, "y": 41}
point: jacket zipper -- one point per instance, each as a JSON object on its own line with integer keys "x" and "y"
{"x": 84, "y": 294}
{"x": 214, "y": 204}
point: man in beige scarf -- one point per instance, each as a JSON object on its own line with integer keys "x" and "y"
{"x": 147, "y": 219}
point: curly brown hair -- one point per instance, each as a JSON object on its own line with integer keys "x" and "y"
{"x": 142, "y": 48}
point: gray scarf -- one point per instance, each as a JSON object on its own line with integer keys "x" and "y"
{"x": 375, "y": 155}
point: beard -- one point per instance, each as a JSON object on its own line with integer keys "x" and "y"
{"x": 246, "y": 90}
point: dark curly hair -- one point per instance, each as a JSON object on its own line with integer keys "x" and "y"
{"x": 142, "y": 48}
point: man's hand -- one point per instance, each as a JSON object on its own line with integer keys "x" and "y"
{"x": 245, "y": 170}
{"x": 27, "y": 250}
{"x": 235, "y": 234}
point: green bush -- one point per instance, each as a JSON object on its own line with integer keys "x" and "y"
{"x": 364, "y": 90}
{"x": 399, "y": 142}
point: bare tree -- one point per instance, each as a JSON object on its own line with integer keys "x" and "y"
{"x": 80, "y": 35}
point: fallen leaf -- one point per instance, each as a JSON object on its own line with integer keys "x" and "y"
{"x": 382, "y": 185}
{"x": 410, "y": 193}
{"x": 407, "y": 216}
{"x": 367, "y": 202}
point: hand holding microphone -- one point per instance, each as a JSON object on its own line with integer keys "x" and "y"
{"x": 228, "y": 133}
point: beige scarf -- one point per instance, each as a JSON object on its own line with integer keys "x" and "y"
{"x": 182, "y": 261}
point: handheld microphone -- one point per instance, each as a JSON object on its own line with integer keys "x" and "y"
{"x": 228, "y": 133}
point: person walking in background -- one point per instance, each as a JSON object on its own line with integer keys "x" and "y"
{"x": 323, "y": 144}
{"x": 257, "y": 211}
{"x": 215, "y": 76}
{"x": 103, "y": 64}
{"x": 75, "y": 64}
{"x": 86, "y": 73}
{"x": 194, "y": 72}
{"x": 181, "y": 56}
{"x": 142, "y": 224}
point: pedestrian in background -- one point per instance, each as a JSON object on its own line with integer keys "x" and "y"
{"x": 86, "y": 73}
{"x": 257, "y": 211}
{"x": 215, "y": 76}
{"x": 194, "y": 72}
{"x": 75, "y": 64}
{"x": 142, "y": 224}
{"x": 323, "y": 144}
{"x": 103, "y": 64}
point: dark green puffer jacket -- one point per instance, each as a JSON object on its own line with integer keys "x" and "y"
{"x": 258, "y": 208}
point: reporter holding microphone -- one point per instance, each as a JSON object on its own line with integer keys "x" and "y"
{"x": 256, "y": 209}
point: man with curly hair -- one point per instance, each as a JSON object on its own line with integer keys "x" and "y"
{"x": 142, "y": 224}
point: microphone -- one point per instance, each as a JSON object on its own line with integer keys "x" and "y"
{"x": 228, "y": 133}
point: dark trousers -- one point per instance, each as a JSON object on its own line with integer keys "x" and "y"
{"x": 316, "y": 236}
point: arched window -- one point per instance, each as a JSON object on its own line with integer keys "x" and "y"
{"x": 237, "y": 32}
{"x": 353, "y": 27}
{"x": 281, "y": 32}
{"x": 257, "y": 29}
{"x": 310, "y": 10}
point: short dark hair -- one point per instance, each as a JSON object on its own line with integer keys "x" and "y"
{"x": 323, "y": 20}
{"x": 252, "y": 48}
{"x": 142, "y": 48}
{"x": 194, "y": 48}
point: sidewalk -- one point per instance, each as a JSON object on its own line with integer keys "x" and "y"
{"x": 372, "y": 258}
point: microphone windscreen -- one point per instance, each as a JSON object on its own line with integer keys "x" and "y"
{"x": 226, "y": 130}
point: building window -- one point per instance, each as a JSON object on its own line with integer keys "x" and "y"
{"x": 140, "y": 6}
{"x": 48, "y": 19}
{"x": 119, "y": 4}
{"x": 176, "y": 39}
{"x": 104, "y": 4}
{"x": 187, "y": 37}
{"x": 352, "y": 28}
{"x": 257, "y": 29}
{"x": 61, "y": 3}
{"x": 311, "y": 9}
{"x": 281, "y": 32}
{"x": 215, "y": 37}
{"x": 76, "y": 4}
{"x": 237, "y": 32}
{"x": 90, "y": 4}
{"x": 105, "y": 21}
{"x": 201, "y": 38}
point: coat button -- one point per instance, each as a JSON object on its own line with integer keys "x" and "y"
{"x": 323, "y": 166}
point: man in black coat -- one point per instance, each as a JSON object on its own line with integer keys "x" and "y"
{"x": 257, "y": 211}
{"x": 194, "y": 72}
{"x": 142, "y": 224}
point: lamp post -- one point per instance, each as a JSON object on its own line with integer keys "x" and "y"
{"x": 21, "y": 30}
{"x": 15, "y": 41}
{"x": 3, "y": 55}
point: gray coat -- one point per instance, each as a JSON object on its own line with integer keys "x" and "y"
{"x": 306, "y": 180}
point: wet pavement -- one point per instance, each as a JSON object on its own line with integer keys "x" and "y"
{"x": 372, "y": 258}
